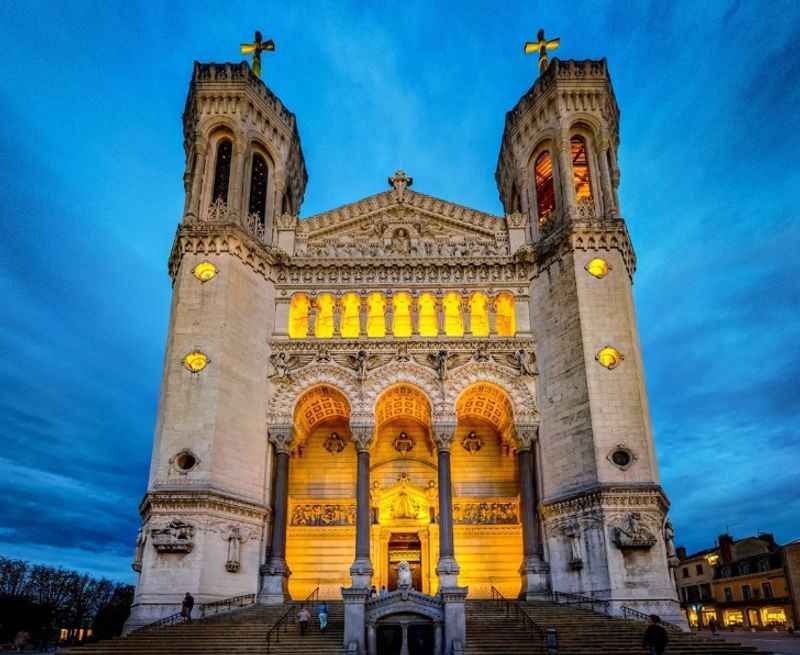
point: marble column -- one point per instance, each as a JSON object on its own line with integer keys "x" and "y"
{"x": 534, "y": 571}
{"x": 276, "y": 572}
{"x": 453, "y": 596}
{"x": 569, "y": 205}
{"x": 605, "y": 180}
{"x": 355, "y": 597}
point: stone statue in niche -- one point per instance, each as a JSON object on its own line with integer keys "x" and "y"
{"x": 176, "y": 537}
{"x": 472, "y": 443}
{"x": 334, "y": 443}
{"x": 403, "y": 444}
{"x": 401, "y": 243}
{"x": 669, "y": 539}
{"x": 141, "y": 540}
{"x": 403, "y": 576}
{"x": 234, "y": 549}
{"x": 633, "y": 534}
{"x": 405, "y": 507}
{"x": 571, "y": 533}
{"x": 525, "y": 363}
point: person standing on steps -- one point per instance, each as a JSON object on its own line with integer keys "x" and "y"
{"x": 383, "y": 594}
{"x": 655, "y": 637}
{"x": 373, "y": 593}
{"x": 322, "y": 613}
{"x": 303, "y": 617}
{"x": 186, "y": 607}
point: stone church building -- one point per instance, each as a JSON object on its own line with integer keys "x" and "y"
{"x": 402, "y": 378}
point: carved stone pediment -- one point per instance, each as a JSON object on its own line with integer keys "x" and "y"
{"x": 633, "y": 534}
{"x": 409, "y": 225}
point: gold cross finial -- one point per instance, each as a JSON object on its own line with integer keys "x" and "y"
{"x": 257, "y": 47}
{"x": 542, "y": 45}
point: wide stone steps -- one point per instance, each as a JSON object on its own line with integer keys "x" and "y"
{"x": 493, "y": 631}
{"x": 490, "y": 631}
{"x": 243, "y": 632}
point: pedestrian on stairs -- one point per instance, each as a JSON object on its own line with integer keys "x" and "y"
{"x": 373, "y": 593}
{"x": 303, "y": 617}
{"x": 383, "y": 593}
{"x": 186, "y": 607}
{"x": 322, "y": 613}
{"x": 655, "y": 637}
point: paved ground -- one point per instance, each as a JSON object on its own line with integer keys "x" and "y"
{"x": 780, "y": 643}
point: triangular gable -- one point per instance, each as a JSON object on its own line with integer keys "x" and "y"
{"x": 407, "y": 223}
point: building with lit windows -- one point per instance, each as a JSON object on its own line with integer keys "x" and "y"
{"x": 742, "y": 583}
{"x": 402, "y": 382}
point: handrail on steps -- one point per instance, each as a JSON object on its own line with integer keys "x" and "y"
{"x": 568, "y": 598}
{"x": 542, "y": 636}
{"x": 636, "y": 615}
{"x": 204, "y": 610}
{"x": 283, "y": 621}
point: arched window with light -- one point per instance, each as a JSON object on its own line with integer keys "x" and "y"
{"x": 376, "y": 319}
{"x": 351, "y": 316}
{"x": 428, "y": 318}
{"x": 259, "y": 176}
{"x": 545, "y": 187}
{"x": 581, "y": 175}
{"x": 453, "y": 317}
{"x": 222, "y": 171}
{"x": 504, "y": 315}
{"x": 401, "y": 314}
{"x": 479, "y": 315}
{"x": 298, "y": 316}
{"x": 323, "y": 325}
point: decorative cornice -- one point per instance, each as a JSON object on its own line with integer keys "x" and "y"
{"x": 211, "y": 239}
{"x": 168, "y": 501}
{"x": 606, "y": 496}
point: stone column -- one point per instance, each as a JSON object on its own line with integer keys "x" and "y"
{"x": 389, "y": 316}
{"x": 337, "y": 316}
{"x": 447, "y": 569}
{"x": 276, "y": 573}
{"x": 440, "y": 314}
{"x": 605, "y": 180}
{"x": 534, "y": 571}
{"x": 363, "y": 311}
{"x": 313, "y": 312}
{"x": 201, "y": 160}
{"x": 414, "y": 315}
{"x": 467, "y": 314}
{"x": 569, "y": 205}
{"x": 236, "y": 200}
{"x": 355, "y": 597}
{"x": 492, "y": 314}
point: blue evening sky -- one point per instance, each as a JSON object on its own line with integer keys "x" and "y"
{"x": 91, "y": 161}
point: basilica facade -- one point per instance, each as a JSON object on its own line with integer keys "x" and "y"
{"x": 403, "y": 379}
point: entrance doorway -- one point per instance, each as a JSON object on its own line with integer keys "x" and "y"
{"x": 405, "y": 546}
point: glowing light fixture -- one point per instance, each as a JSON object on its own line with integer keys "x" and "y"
{"x": 598, "y": 267}
{"x": 205, "y": 271}
{"x": 609, "y": 357}
{"x": 196, "y": 361}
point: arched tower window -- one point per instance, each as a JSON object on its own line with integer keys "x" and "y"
{"x": 376, "y": 321}
{"x": 428, "y": 319}
{"x": 453, "y": 318}
{"x": 580, "y": 169}
{"x": 351, "y": 319}
{"x": 401, "y": 319}
{"x": 298, "y": 316}
{"x": 222, "y": 170}
{"x": 545, "y": 189}
{"x": 479, "y": 315}
{"x": 258, "y": 189}
{"x": 323, "y": 326}
{"x": 504, "y": 313}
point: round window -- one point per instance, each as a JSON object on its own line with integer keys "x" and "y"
{"x": 185, "y": 461}
{"x": 621, "y": 457}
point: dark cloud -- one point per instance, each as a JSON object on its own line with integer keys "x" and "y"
{"x": 90, "y": 172}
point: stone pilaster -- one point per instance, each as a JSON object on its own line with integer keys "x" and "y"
{"x": 534, "y": 571}
{"x": 361, "y": 570}
{"x": 569, "y": 205}
{"x": 276, "y": 572}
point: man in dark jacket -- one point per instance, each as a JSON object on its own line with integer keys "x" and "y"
{"x": 186, "y": 607}
{"x": 655, "y": 637}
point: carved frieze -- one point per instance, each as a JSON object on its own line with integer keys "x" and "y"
{"x": 633, "y": 534}
{"x": 319, "y": 514}
{"x": 485, "y": 513}
{"x": 175, "y": 537}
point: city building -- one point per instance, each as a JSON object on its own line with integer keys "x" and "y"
{"x": 740, "y": 583}
{"x": 403, "y": 391}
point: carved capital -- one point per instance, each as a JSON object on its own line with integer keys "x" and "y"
{"x": 527, "y": 435}
{"x": 286, "y": 222}
{"x": 361, "y": 433}
{"x": 442, "y": 433}
{"x": 517, "y": 220}
{"x": 280, "y": 436}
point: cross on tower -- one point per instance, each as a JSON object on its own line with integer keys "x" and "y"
{"x": 542, "y": 45}
{"x": 257, "y": 48}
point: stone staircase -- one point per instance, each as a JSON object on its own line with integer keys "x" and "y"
{"x": 242, "y": 632}
{"x": 494, "y": 630}
{"x": 491, "y": 630}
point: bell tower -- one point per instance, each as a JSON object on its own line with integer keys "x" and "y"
{"x": 206, "y": 515}
{"x": 602, "y": 506}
